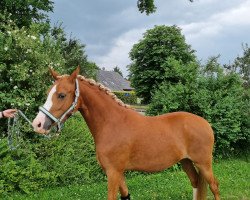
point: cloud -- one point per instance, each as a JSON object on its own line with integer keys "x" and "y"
{"x": 238, "y": 16}
{"x": 119, "y": 53}
{"x": 213, "y": 35}
{"x": 110, "y": 28}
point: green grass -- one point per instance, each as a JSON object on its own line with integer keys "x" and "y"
{"x": 233, "y": 175}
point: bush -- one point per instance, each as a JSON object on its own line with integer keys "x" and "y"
{"x": 218, "y": 97}
{"x": 220, "y": 101}
{"x": 128, "y": 97}
{"x": 24, "y": 59}
{"x": 25, "y": 56}
{"x": 21, "y": 171}
{"x": 175, "y": 92}
{"x": 39, "y": 162}
{"x": 72, "y": 155}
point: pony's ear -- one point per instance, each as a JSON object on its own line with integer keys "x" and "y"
{"x": 54, "y": 73}
{"x": 75, "y": 73}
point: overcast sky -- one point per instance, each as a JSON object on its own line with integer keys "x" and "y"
{"x": 109, "y": 28}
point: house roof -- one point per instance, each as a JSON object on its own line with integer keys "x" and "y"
{"x": 113, "y": 80}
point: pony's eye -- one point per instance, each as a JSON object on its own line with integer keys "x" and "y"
{"x": 61, "y": 96}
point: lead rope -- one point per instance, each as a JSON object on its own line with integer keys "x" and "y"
{"x": 14, "y": 135}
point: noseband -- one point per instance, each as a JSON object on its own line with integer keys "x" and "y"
{"x": 59, "y": 121}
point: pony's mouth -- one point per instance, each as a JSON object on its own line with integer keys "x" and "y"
{"x": 42, "y": 131}
{"x": 45, "y": 128}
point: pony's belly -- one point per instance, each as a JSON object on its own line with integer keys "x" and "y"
{"x": 150, "y": 167}
{"x": 153, "y": 164}
{"x": 163, "y": 154}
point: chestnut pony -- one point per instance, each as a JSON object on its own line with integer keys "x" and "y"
{"x": 126, "y": 140}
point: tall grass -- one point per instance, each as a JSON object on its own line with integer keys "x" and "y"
{"x": 233, "y": 175}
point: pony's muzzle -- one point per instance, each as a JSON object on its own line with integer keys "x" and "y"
{"x": 42, "y": 124}
{"x": 47, "y": 124}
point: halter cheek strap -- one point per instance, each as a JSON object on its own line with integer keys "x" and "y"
{"x": 59, "y": 121}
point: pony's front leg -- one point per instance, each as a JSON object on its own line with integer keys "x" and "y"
{"x": 114, "y": 179}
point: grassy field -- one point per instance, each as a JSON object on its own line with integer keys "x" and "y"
{"x": 233, "y": 175}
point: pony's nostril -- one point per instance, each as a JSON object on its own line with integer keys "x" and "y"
{"x": 39, "y": 125}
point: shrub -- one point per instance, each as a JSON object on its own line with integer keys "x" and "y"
{"x": 175, "y": 92}
{"x": 25, "y": 55}
{"x": 218, "y": 97}
{"x": 39, "y": 162}
{"x": 128, "y": 97}
{"x": 24, "y": 59}
{"x": 220, "y": 101}
{"x": 72, "y": 155}
{"x": 21, "y": 171}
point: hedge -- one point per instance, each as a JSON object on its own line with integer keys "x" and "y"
{"x": 128, "y": 97}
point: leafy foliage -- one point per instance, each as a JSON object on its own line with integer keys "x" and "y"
{"x": 214, "y": 95}
{"x": 128, "y": 97}
{"x": 148, "y": 6}
{"x": 24, "y": 59}
{"x": 118, "y": 70}
{"x": 39, "y": 162}
{"x": 21, "y": 171}
{"x": 241, "y": 65}
{"x": 175, "y": 93}
{"x": 24, "y": 12}
{"x": 73, "y": 53}
{"x": 26, "y": 52}
{"x": 149, "y": 56}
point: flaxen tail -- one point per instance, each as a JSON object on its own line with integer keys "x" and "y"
{"x": 202, "y": 188}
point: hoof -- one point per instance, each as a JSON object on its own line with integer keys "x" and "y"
{"x": 126, "y": 198}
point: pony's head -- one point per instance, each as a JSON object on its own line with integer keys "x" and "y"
{"x": 61, "y": 102}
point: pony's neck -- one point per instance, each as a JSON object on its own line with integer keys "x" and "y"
{"x": 98, "y": 106}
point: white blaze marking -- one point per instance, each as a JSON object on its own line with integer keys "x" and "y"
{"x": 194, "y": 193}
{"x": 40, "y": 118}
{"x": 48, "y": 104}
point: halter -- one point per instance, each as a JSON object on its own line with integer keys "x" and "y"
{"x": 59, "y": 121}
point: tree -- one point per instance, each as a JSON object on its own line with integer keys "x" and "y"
{"x": 147, "y": 6}
{"x": 24, "y": 12}
{"x": 148, "y": 68}
{"x": 241, "y": 65}
{"x": 73, "y": 52}
{"x": 118, "y": 70}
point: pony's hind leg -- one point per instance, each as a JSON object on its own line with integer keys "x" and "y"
{"x": 124, "y": 189}
{"x": 188, "y": 167}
